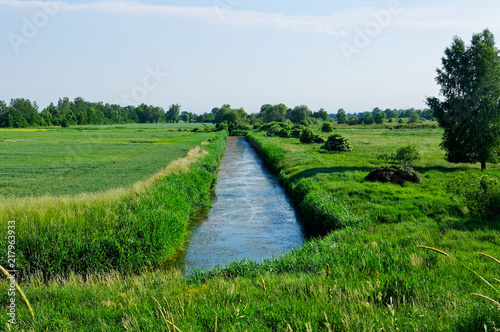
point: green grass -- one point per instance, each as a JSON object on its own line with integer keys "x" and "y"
{"x": 367, "y": 274}
{"x": 121, "y": 229}
{"x": 88, "y": 158}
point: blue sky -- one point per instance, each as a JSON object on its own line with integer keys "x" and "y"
{"x": 201, "y": 54}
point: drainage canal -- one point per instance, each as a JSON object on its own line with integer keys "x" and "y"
{"x": 251, "y": 216}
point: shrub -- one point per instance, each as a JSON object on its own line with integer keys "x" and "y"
{"x": 327, "y": 127}
{"x": 407, "y": 154}
{"x": 280, "y": 129}
{"x": 296, "y": 133}
{"x": 239, "y": 132}
{"x": 394, "y": 174}
{"x": 221, "y": 126}
{"x": 307, "y": 136}
{"x": 338, "y": 143}
{"x": 318, "y": 139}
{"x": 480, "y": 194}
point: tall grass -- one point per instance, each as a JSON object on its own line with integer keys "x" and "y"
{"x": 121, "y": 229}
{"x": 366, "y": 274}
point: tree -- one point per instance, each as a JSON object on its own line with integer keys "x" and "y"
{"x": 327, "y": 127}
{"x": 341, "y": 116}
{"x": 321, "y": 114}
{"x": 235, "y": 118}
{"x": 414, "y": 118}
{"x": 299, "y": 114}
{"x": 470, "y": 113}
{"x": 368, "y": 118}
{"x": 353, "y": 120}
{"x": 379, "y": 118}
{"x": 173, "y": 113}
{"x": 390, "y": 114}
{"x": 273, "y": 113}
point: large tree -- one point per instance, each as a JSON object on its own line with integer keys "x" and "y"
{"x": 470, "y": 112}
{"x": 173, "y": 113}
{"x": 299, "y": 114}
{"x": 341, "y": 116}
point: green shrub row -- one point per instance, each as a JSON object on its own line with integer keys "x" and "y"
{"x": 320, "y": 213}
{"x": 138, "y": 230}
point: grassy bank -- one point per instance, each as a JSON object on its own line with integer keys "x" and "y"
{"x": 121, "y": 229}
{"x": 367, "y": 274}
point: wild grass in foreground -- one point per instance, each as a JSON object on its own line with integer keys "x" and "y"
{"x": 367, "y": 274}
{"x": 354, "y": 280}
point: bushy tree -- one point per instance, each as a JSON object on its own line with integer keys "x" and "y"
{"x": 337, "y": 143}
{"x": 173, "y": 113}
{"x": 299, "y": 114}
{"x": 407, "y": 155}
{"x": 321, "y": 114}
{"x": 414, "y": 118}
{"x": 368, "y": 118}
{"x": 470, "y": 112}
{"x": 307, "y": 136}
{"x": 353, "y": 120}
{"x": 327, "y": 127}
{"x": 341, "y": 116}
{"x": 380, "y": 118}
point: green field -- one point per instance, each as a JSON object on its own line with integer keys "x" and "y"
{"x": 365, "y": 274}
{"x": 37, "y": 162}
{"x": 133, "y": 214}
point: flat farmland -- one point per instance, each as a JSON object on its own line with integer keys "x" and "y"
{"x": 37, "y": 162}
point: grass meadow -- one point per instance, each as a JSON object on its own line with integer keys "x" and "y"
{"x": 122, "y": 228}
{"x": 37, "y": 162}
{"x": 364, "y": 273}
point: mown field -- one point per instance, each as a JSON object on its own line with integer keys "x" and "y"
{"x": 365, "y": 274}
{"x": 36, "y": 162}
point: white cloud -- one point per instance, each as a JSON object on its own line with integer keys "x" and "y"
{"x": 465, "y": 15}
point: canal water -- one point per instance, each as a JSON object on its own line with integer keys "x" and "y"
{"x": 251, "y": 216}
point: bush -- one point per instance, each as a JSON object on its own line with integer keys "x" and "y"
{"x": 296, "y": 133}
{"x": 338, "y": 143}
{"x": 318, "y": 139}
{"x": 280, "y": 129}
{"x": 307, "y": 136}
{"x": 394, "y": 174}
{"x": 480, "y": 194}
{"x": 222, "y": 126}
{"x": 239, "y": 132}
{"x": 407, "y": 155}
{"x": 327, "y": 127}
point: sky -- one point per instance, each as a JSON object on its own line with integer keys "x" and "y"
{"x": 355, "y": 55}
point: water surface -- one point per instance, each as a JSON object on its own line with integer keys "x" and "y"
{"x": 251, "y": 216}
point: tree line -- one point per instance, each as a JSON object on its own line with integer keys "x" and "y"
{"x": 378, "y": 116}
{"x": 22, "y": 113}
